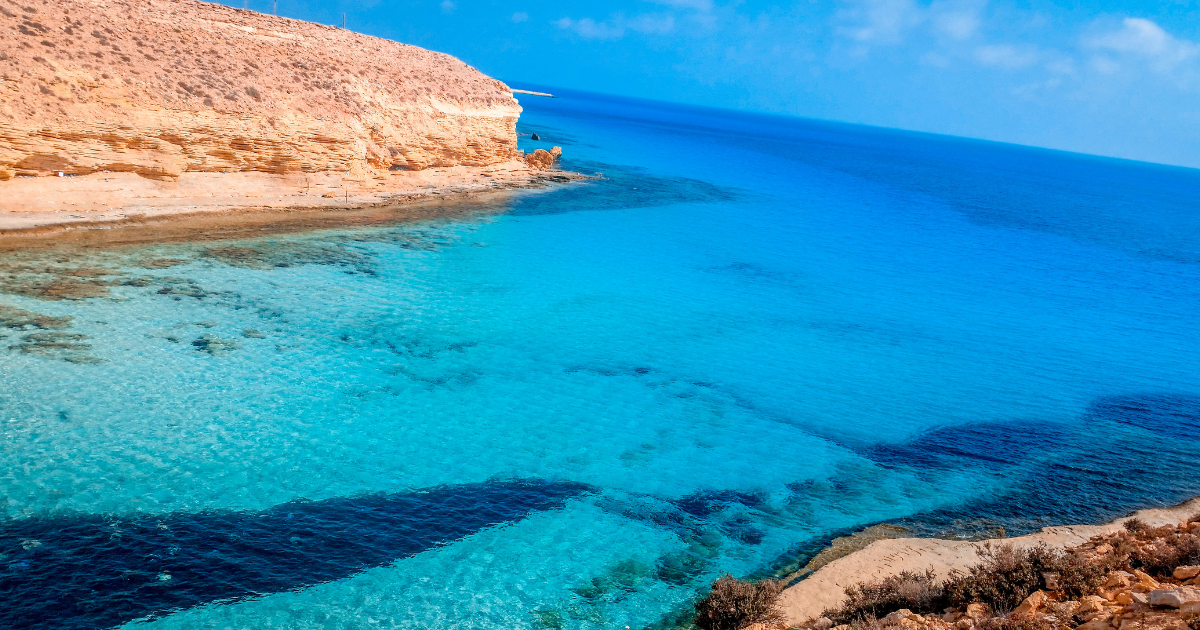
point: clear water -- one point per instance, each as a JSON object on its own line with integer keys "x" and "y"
{"x": 752, "y": 335}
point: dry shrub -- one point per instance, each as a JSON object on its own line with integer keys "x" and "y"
{"x": 733, "y": 604}
{"x": 918, "y": 592}
{"x": 1160, "y": 557}
{"x": 1006, "y": 576}
{"x": 1193, "y": 621}
{"x": 1135, "y": 525}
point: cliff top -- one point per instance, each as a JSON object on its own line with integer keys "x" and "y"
{"x": 191, "y": 55}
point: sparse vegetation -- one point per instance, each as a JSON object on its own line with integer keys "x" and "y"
{"x": 733, "y": 604}
{"x": 908, "y": 590}
{"x": 1135, "y": 525}
{"x": 1160, "y": 557}
{"x": 1006, "y": 576}
{"x": 1038, "y": 588}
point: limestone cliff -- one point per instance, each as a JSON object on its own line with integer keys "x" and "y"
{"x": 161, "y": 87}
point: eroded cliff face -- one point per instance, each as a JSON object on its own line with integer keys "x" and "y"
{"x": 161, "y": 87}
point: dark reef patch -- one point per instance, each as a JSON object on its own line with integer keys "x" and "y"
{"x": 90, "y": 571}
{"x": 1088, "y": 472}
{"x": 989, "y": 445}
{"x": 49, "y": 341}
{"x": 20, "y": 319}
{"x": 283, "y": 254}
{"x": 621, "y": 188}
{"x": 215, "y": 346}
{"x": 1172, "y": 414}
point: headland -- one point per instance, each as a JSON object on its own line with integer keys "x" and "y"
{"x": 112, "y": 110}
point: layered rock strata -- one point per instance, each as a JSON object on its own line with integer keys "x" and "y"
{"x": 161, "y": 88}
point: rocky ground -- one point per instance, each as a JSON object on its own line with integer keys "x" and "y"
{"x": 1141, "y": 577}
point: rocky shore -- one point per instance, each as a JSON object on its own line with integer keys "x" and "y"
{"x": 1137, "y": 573}
{"x": 116, "y": 109}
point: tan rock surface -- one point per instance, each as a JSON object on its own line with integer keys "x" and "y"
{"x": 162, "y": 87}
{"x": 825, "y": 588}
{"x": 176, "y": 91}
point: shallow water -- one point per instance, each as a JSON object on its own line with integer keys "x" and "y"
{"x": 575, "y": 408}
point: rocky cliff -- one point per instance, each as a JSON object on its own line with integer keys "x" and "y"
{"x": 163, "y": 87}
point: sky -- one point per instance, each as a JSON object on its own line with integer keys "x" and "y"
{"x": 1110, "y": 77}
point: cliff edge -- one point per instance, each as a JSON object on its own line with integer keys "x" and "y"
{"x": 165, "y": 87}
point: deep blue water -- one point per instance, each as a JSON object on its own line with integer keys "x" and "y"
{"x": 575, "y": 408}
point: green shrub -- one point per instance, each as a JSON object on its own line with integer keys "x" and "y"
{"x": 733, "y": 604}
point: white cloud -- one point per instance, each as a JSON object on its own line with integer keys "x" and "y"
{"x": 591, "y": 29}
{"x": 889, "y": 21}
{"x": 934, "y": 59}
{"x": 1143, "y": 38}
{"x": 1006, "y": 56}
{"x": 880, "y": 21}
{"x": 447, "y": 6}
{"x": 616, "y": 27}
{"x": 956, "y": 20}
{"x": 520, "y": 16}
{"x": 1104, "y": 65}
{"x": 653, "y": 23}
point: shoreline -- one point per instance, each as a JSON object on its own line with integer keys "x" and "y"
{"x": 824, "y": 588}
{"x": 119, "y": 208}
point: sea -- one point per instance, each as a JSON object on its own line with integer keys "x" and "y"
{"x": 575, "y": 407}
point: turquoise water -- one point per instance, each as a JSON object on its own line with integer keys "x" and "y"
{"x": 754, "y": 333}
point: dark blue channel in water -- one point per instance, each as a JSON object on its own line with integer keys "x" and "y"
{"x": 84, "y": 571}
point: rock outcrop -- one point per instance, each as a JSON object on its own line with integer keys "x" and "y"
{"x": 1138, "y": 573}
{"x": 541, "y": 159}
{"x": 160, "y": 88}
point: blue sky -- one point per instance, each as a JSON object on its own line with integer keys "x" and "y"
{"x": 1118, "y": 78}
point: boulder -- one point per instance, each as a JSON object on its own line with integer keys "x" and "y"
{"x": 896, "y": 616}
{"x": 1032, "y": 604}
{"x": 1051, "y": 580}
{"x": 1186, "y": 573}
{"x": 1145, "y": 582}
{"x": 1119, "y": 579}
{"x": 1096, "y": 624}
{"x": 824, "y": 623}
{"x": 1090, "y": 604}
{"x": 1175, "y": 597}
{"x": 542, "y": 159}
{"x": 977, "y": 612}
{"x": 1154, "y": 622}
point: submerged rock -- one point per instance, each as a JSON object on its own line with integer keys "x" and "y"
{"x": 214, "y": 345}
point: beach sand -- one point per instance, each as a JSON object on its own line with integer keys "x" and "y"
{"x": 825, "y": 588}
